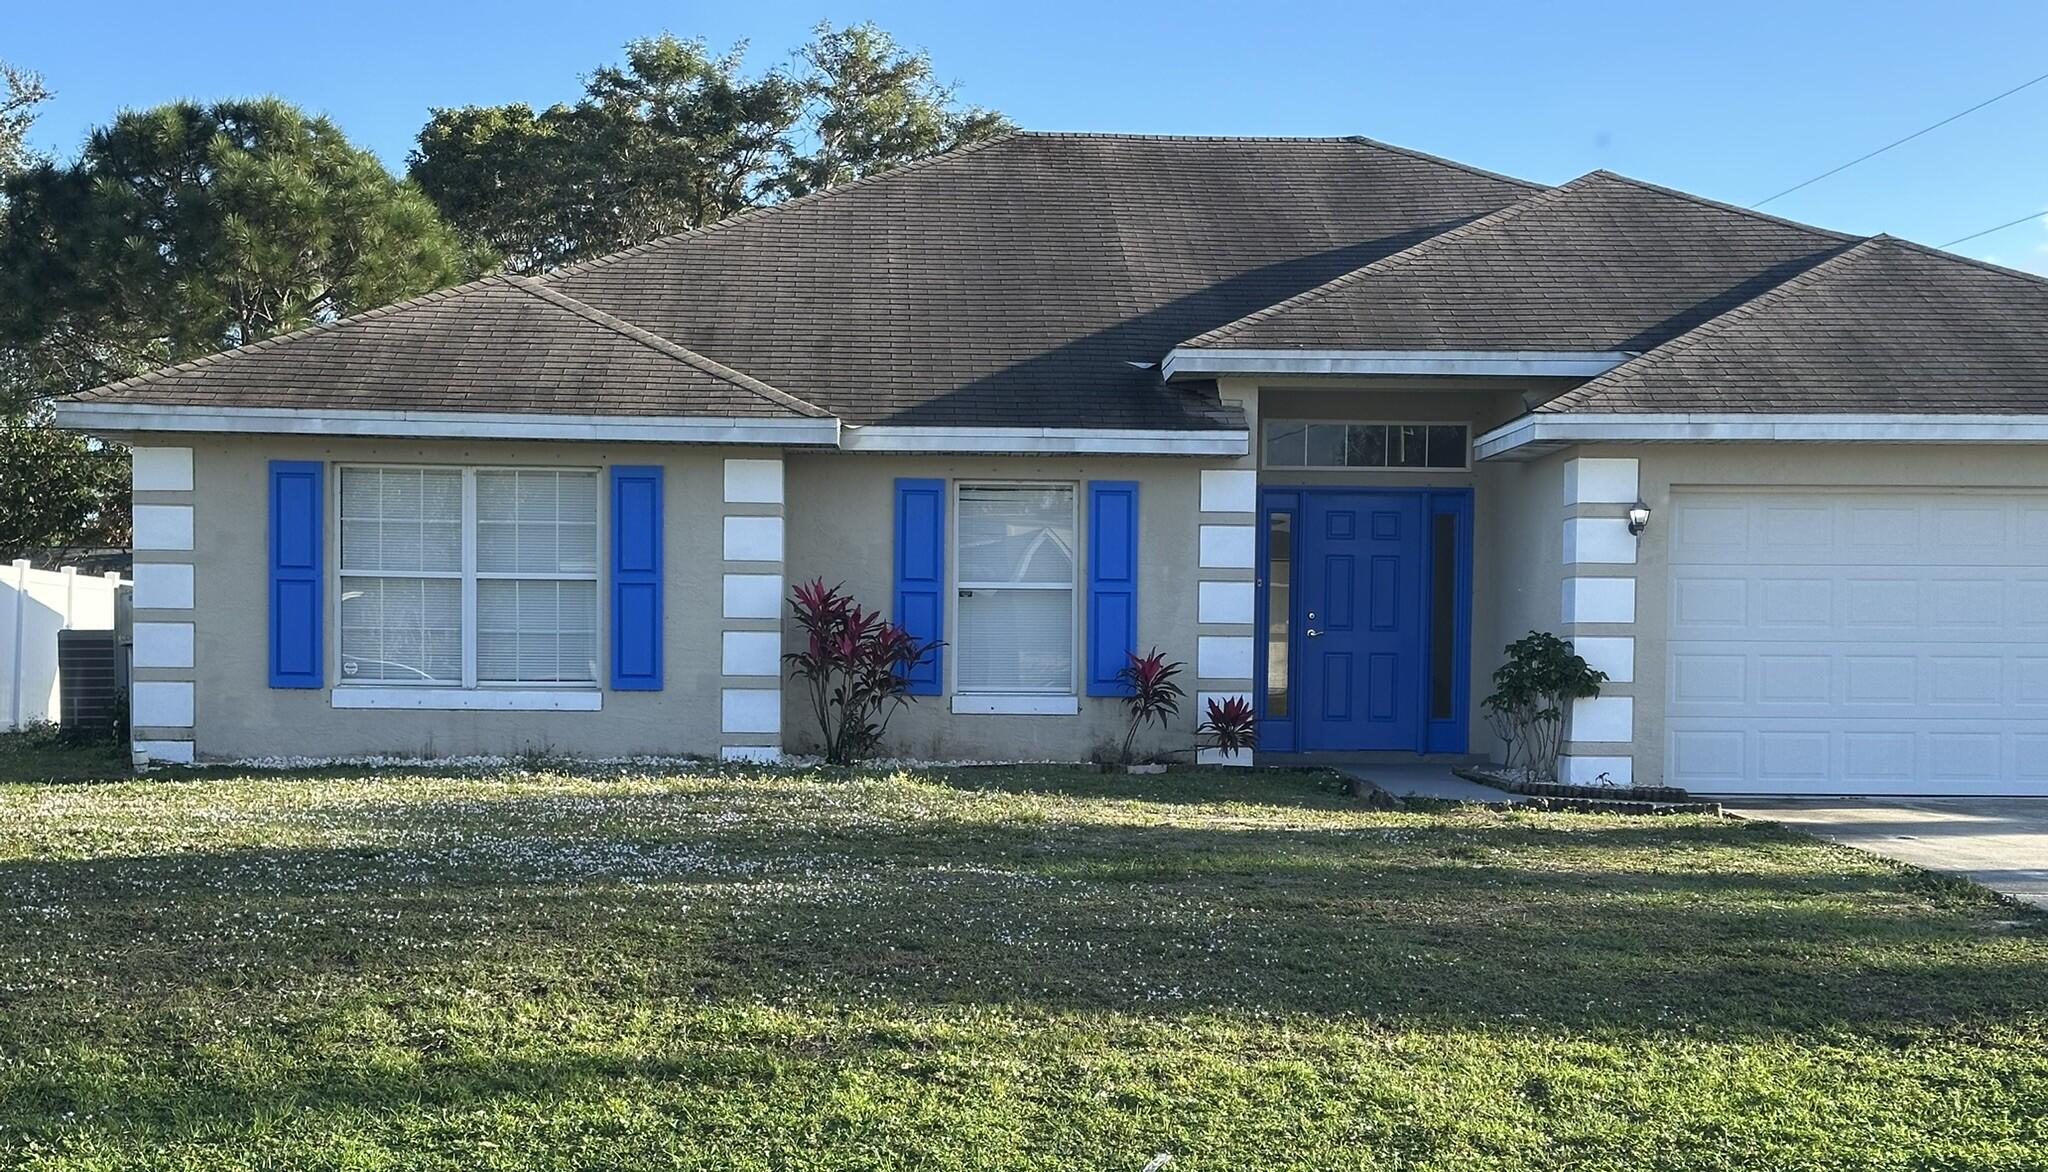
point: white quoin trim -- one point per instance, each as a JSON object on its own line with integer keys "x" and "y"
{"x": 756, "y": 482}
{"x": 1601, "y": 480}
{"x": 1599, "y": 600}
{"x": 162, "y": 644}
{"x": 160, "y": 469}
{"x": 705, "y": 429}
{"x": 1047, "y": 440}
{"x": 1482, "y": 363}
{"x": 1613, "y": 654}
{"x": 1533, "y": 435}
{"x": 162, "y": 586}
{"x": 753, "y": 539}
{"x": 163, "y": 527}
{"x": 1603, "y": 719}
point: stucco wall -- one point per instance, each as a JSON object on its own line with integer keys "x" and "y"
{"x": 236, "y": 713}
{"x": 840, "y": 509}
{"x": 1668, "y": 467}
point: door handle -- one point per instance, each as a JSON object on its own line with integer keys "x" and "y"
{"x": 1311, "y": 632}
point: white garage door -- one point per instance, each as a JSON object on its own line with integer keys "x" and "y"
{"x": 1858, "y": 643}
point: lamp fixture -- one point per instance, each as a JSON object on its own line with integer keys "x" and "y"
{"x": 1638, "y": 518}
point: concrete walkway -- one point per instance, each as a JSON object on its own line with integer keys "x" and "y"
{"x": 1999, "y": 842}
{"x": 1426, "y": 781}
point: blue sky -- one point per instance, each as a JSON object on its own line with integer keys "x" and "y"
{"x": 1733, "y": 100}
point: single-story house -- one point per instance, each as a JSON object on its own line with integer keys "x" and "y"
{"x": 1330, "y": 421}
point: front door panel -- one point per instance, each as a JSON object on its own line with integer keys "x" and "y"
{"x": 1361, "y": 621}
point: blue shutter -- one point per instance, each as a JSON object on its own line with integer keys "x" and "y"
{"x": 296, "y": 588}
{"x": 636, "y": 578}
{"x": 1112, "y": 583}
{"x": 920, "y": 597}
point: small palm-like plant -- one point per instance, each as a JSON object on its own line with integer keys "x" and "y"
{"x": 1232, "y": 725}
{"x": 856, "y": 665}
{"x": 1154, "y": 697}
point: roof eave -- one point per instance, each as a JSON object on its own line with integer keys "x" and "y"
{"x": 1540, "y": 433}
{"x": 111, "y": 417}
{"x": 1049, "y": 440}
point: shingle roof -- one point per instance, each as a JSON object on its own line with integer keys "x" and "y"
{"x": 1885, "y": 326}
{"x": 1036, "y": 280}
{"x": 1026, "y": 281}
{"x": 1603, "y": 263}
{"x": 499, "y": 344}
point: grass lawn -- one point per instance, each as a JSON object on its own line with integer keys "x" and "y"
{"x": 1019, "y": 968}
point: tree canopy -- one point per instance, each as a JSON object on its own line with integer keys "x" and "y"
{"x": 179, "y": 231}
{"x": 677, "y": 137}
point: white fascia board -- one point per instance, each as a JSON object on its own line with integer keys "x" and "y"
{"x": 1534, "y": 434}
{"x": 1483, "y": 363}
{"x": 702, "y": 429}
{"x": 1047, "y": 440}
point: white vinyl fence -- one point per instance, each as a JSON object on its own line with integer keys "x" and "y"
{"x": 34, "y": 606}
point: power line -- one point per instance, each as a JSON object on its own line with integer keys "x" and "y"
{"x": 1997, "y": 228}
{"x": 1902, "y": 142}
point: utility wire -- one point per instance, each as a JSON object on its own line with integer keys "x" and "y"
{"x": 1902, "y": 142}
{"x": 1997, "y": 228}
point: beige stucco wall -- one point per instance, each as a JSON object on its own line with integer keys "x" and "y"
{"x": 840, "y": 515}
{"x": 236, "y": 713}
{"x": 1665, "y": 468}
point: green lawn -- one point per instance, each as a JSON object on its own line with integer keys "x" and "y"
{"x": 1023, "y": 968}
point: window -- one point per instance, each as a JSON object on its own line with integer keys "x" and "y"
{"x": 1016, "y": 589}
{"x": 1295, "y": 443}
{"x": 459, "y": 577}
{"x": 1279, "y": 608}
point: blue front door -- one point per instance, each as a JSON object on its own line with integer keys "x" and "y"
{"x": 1362, "y": 621}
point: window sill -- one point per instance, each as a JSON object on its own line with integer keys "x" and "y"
{"x": 1007, "y": 704}
{"x": 468, "y": 699}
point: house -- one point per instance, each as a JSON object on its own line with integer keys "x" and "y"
{"x": 1329, "y": 420}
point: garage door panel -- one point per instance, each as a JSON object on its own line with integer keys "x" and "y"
{"x": 1842, "y": 642}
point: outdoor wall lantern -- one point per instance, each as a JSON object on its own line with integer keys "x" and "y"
{"x": 1638, "y": 518}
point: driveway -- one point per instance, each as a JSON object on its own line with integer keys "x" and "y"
{"x": 1999, "y": 842}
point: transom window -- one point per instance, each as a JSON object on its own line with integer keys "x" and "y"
{"x": 1297, "y": 443}
{"x": 1016, "y": 586}
{"x": 461, "y": 577}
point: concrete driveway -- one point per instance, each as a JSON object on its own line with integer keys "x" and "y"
{"x": 1999, "y": 842}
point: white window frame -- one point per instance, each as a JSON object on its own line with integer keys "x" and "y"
{"x": 1465, "y": 465}
{"x": 1018, "y": 701}
{"x": 469, "y": 575}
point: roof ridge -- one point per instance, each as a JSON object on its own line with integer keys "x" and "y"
{"x": 1719, "y": 205}
{"x": 748, "y": 215}
{"x": 1975, "y": 262}
{"x": 656, "y": 342}
{"x": 218, "y": 356}
{"x": 1717, "y": 325}
{"x": 1392, "y": 260}
{"x": 1441, "y": 160}
{"x": 1144, "y": 136}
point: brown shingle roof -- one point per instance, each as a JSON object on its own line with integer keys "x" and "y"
{"x": 1027, "y": 281}
{"x": 1885, "y": 326}
{"x": 1603, "y": 263}
{"x": 499, "y": 344}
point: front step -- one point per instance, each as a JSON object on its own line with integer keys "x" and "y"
{"x": 1395, "y": 757}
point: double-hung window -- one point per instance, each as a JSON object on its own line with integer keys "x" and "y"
{"x": 468, "y": 577}
{"x": 1016, "y": 562}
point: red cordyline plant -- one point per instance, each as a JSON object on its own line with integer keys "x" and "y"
{"x": 1232, "y": 725}
{"x": 1153, "y": 696}
{"x": 857, "y": 665}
